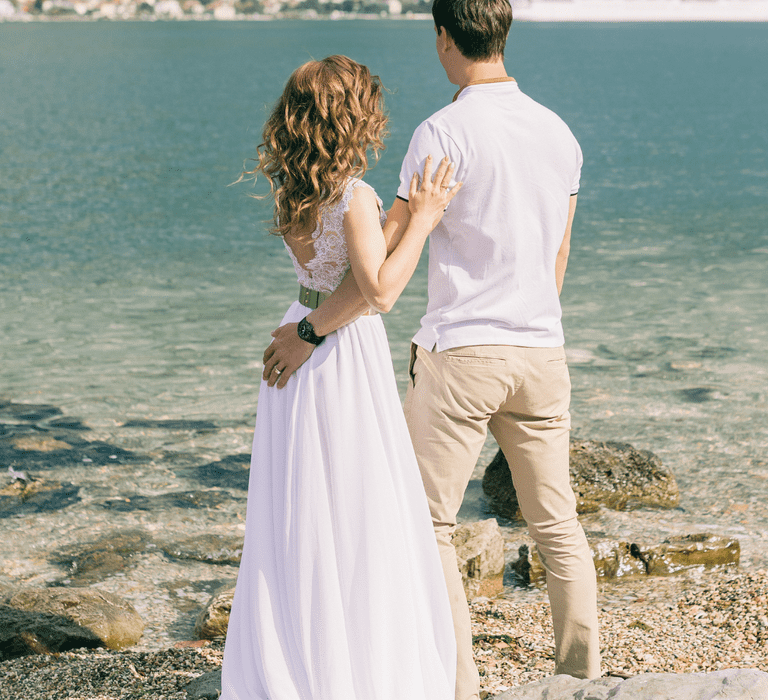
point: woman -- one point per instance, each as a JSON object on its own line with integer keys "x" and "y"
{"x": 340, "y": 594}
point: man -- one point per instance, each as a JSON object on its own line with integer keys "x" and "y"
{"x": 489, "y": 353}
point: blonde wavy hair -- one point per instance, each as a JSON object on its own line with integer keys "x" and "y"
{"x": 320, "y": 132}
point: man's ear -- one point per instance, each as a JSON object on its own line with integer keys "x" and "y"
{"x": 445, "y": 37}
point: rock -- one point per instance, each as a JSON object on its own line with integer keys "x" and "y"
{"x": 213, "y": 549}
{"x": 48, "y": 620}
{"x": 96, "y": 561}
{"x": 480, "y": 553}
{"x": 622, "y": 559}
{"x": 213, "y": 620}
{"x": 731, "y": 684}
{"x": 699, "y": 551}
{"x": 205, "y": 687}
{"x": 616, "y": 560}
{"x": 610, "y": 474}
{"x": 34, "y": 495}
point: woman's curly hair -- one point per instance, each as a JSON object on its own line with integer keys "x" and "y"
{"x": 318, "y": 135}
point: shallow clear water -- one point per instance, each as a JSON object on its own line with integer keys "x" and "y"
{"x": 135, "y": 284}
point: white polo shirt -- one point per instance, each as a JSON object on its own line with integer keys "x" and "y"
{"x": 492, "y": 256}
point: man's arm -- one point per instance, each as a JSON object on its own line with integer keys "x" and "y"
{"x": 287, "y": 351}
{"x": 565, "y": 247}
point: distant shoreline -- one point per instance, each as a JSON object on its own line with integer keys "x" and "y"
{"x": 597, "y": 11}
{"x": 636, "y": 11}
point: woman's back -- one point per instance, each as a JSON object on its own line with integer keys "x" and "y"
{"x": 321, "y": 258}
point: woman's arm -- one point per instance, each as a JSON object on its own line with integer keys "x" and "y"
{"x": 380, "y": 275}
{"x": 287, "y": 351}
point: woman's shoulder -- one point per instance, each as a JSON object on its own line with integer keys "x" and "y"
{"x": 354, "y": 185}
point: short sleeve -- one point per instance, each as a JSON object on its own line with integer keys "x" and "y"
{"x": 427, "y": 140}
{"x": 577, "y": 175}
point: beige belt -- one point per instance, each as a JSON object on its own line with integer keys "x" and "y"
{"x": 311, "y": 297}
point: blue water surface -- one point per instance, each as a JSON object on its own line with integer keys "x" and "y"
{"x": 135, "y": 282}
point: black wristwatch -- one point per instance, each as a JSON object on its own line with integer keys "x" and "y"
{"x": 307, "y": 332}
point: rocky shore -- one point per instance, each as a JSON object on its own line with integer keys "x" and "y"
{"x": 707, "y": 624}
{"x": 133, "y": 544}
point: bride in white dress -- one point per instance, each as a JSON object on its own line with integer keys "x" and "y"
{"x": 340, "y": 593}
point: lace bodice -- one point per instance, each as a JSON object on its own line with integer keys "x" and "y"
{"x": 331, "y": 261}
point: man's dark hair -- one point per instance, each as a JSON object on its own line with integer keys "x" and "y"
{"x": 478, "y": 27}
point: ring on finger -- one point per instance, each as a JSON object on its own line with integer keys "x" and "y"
{"x": 278, "y": 371}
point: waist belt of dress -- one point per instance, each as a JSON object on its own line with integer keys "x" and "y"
{"x": 311, "y": 297}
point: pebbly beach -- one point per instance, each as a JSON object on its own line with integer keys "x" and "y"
{"x": 167, "y": 552}
{"x": 680, "y": 627}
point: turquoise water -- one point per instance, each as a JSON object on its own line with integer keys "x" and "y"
{"x": 135, "y": 284}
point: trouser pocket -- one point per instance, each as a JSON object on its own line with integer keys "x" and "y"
{"x": 411, "y": 364}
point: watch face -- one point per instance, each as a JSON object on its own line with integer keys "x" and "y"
{"x": 307, "y": 332}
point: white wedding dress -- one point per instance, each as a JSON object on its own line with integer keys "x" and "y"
{"x": 340, "y": 593}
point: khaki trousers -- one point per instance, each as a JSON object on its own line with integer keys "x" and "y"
{"x": 522, "y": 394}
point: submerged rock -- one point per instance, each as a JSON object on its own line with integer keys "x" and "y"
{"x": 96, "y": 561}
{"x": 231, "y": 472}
{"x": 731, "y": 684}
{"x": 611, "y": 474}
{"x": 480, "y": 554}
{"x": 30, "y": 412}
{"x": 197, "y": 426}
{"x": 49, "y": 620}
{"x": 175, "y": 499}
{"x": 34, "y": 495}
{"x": 212, "y": 549}
{"x": 213, "y": 619}
{"x": 39, "y": 443}
{"x": 38, "y": 437}
{"x": 623, "y": 559}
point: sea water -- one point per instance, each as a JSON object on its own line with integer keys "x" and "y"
{"x": 136, "y": 284}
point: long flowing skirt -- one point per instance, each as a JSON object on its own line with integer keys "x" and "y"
{"x": 340, "y": 593}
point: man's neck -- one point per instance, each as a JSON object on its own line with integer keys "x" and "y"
{"x": 476, "y": 71}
